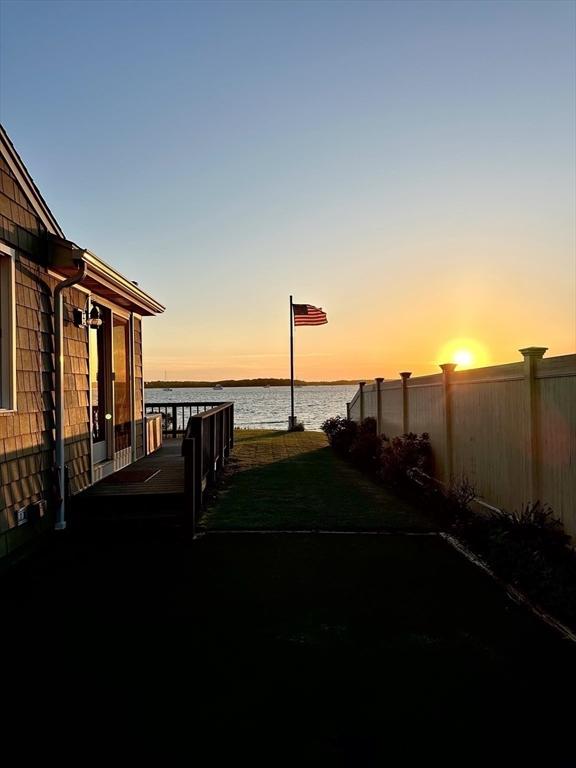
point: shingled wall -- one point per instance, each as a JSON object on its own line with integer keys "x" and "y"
{"x": 26, "y": 436}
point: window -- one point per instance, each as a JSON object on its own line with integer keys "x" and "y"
{"x": 7, "y": 330}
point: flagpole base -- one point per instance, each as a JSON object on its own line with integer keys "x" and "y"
{"x": 292, "y": 421}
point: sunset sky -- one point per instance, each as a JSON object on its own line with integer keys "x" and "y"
{"x": 409, "y": 167}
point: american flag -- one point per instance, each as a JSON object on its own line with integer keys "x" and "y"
{"x": 306, "y": 314}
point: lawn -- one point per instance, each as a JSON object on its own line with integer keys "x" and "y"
{"x": 278, "y": 649}
{"x": 294, "y": 481}
{"x": 303, "y": 649}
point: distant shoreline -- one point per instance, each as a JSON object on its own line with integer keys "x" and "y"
{"x": 245, "y": 383}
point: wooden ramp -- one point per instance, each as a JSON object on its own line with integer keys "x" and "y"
{"x": 152, "y": 487}
{"x": 159, "y": 473}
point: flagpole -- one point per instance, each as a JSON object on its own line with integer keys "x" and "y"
{"x": 291, "y": 419}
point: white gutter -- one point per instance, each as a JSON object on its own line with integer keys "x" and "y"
{"x": 59, "y": 404}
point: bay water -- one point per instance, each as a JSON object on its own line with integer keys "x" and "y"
{"x": 266, "y": 407}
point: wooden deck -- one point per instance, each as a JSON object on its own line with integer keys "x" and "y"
{"x": 160, "y": 474}
{"x": 169, "y": 484}
{"x": 151, "y": 489}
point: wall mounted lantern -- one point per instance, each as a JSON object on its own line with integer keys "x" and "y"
{"x": 89, "y": 317}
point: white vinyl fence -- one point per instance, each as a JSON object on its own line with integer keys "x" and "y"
{"x": 510, "y": 430}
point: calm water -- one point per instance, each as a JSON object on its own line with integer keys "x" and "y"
{"x": 267, "y": 408}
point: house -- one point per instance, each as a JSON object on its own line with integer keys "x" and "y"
{"x": 71, "y": 381}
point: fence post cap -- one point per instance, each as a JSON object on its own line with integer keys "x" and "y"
{"x": 379, "y": 379}
{"x": 537, "y": 352}
{"x": 361, "y": 383}
{"x": 405, "y": 374}
{"x": 448, "y": 367}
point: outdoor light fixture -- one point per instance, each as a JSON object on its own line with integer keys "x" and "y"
{"x": 95, "y": 317}
{"x": 88, "y": 318}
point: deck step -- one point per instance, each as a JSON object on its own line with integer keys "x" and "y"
{"x": 157, "y": 507}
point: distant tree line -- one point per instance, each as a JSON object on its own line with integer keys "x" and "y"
{"x": 243, "y": 383}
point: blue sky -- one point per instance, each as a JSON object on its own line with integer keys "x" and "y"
{"x": 408, "y": 166}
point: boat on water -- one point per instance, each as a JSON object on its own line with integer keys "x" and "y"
{"x": 217, "y": 386}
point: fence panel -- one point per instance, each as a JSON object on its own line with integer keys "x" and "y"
{"x": 391, "y": 404}
{"x": 557, "y": 424}
{"x": 490, "y": 444}
{"x": 426, "y": 414}
{"x": 509, "y": 429}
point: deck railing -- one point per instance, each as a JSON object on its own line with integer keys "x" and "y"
{"x": 208, "y": 440}
{"x": 175, "y": 415}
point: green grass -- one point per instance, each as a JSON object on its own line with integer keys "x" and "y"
{"x": 284, "y": 649}
{"x": 302, "y": 649}
{"x": 293, "y": 480}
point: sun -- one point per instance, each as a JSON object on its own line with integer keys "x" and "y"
{"x": 466, "y": 353}
{"x": 463, "y": 357}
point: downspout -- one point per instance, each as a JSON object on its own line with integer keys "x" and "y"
{"x": 59, "y": 403}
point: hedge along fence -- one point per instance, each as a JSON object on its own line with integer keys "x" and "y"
{"x": 509, "y": 429}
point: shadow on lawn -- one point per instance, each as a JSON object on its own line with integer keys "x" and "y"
{"x": 287, "y": 650}
{"x": 312, "y": 490}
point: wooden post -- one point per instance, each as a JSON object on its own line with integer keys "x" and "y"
{"x": 222, "y": 439}
{"x": 405, "y": 375}
{"x": 229, "y": 435}
{"x": 174, "y": 421}
{"x": 361, "y": 384}
{"x": 190, "y": 496}
{"x": 531, "y": 357}
{"x": 378, "y": 380}
{"x": 197, "y": 432}
{"x": 348, "y": 411}
{"x": 213, "y": 421}
{"x": 448, "y": 370}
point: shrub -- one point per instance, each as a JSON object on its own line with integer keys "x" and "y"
{"x": 366, "y": 450}
{"x": 535, "y": 525}
{"x": 455, "y": 504}
{"x": 528, "y": 548}
{"x": 296, "y": 427}
{"x": 403, "y": 455}
{"x": 341, "y": 433}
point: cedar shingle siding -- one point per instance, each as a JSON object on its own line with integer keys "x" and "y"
{"x": 26, "y": 436}
{"x": 19, "y": 224}
{"x": 27, "y": 472}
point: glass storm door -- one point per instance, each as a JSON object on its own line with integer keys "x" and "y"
{"x": 122, "y": 384}
{"x": 100, "y": 377}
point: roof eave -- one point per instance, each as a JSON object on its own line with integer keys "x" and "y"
{"x": 64, "y": 255}
{"x": 99, "y": 268}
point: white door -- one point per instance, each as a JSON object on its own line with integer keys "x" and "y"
{"x": 101, "y": 388}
